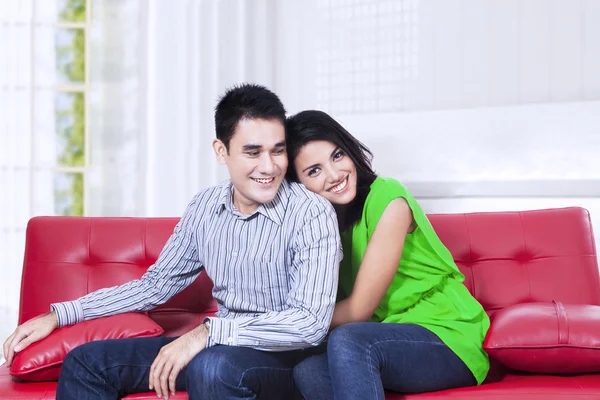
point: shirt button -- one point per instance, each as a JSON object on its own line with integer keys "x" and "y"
{"x": 256, "y": 343}
{"x": 229, "y": 340}
{"x": 231, "y": 290}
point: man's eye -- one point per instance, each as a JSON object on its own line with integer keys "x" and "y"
{"x": 279, "y": 151}
{"x": 253, "y": 153}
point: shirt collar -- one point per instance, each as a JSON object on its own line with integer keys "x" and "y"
{"x": 274, "y": 210}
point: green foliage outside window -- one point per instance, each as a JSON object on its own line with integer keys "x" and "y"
{"x": 72, "y": 134}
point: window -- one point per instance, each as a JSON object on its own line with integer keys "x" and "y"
{"x": 45, "y": 83}
{"x": 44, "y": 86}
{"x": 366, "y": 54}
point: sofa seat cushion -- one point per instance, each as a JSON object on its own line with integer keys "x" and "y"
{"x": 552, "y": 338}
{"x": 512, "y": 387}
{"x": 42, "y": 361}
{"x": 520, "y": 387}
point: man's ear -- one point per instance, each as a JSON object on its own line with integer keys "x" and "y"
{"x": 220, "y": 151}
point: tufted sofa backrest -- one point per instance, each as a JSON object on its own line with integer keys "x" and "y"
{"x": 507, "y": 258}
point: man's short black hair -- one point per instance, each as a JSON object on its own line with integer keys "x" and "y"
{"x": 245, "y": 101}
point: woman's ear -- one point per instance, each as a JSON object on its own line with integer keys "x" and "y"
{"x": 220, "y": 151}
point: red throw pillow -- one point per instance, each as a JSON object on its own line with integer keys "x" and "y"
{"x": 552, "y": 338}
{"x": 41, "y": 361}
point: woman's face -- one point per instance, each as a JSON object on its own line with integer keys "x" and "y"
{"x": 327, "y": 170}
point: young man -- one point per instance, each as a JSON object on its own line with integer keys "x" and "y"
{"x": 272, "y": 250}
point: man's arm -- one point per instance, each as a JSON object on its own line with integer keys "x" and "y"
{"x": 310, "y": 302}
{"x": 176, "y": 267}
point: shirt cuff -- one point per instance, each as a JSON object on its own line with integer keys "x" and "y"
{"x": 68, "y": 313}
{"x": 222, "y": 331}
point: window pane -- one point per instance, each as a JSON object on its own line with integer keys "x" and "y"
{"x": 71, "y": 10}
{"x": 15, "y": 128}
{"x": 15, "y": 53}
{"x": 70, "y": 129}
{"x": 50, "y": 11}
{"x": 59, "y": 56}
{"x": 70, "y": 55}
{"x": 42, "y": 189}
{"x": 68, "y": 194}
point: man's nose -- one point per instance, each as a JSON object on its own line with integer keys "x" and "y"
{"x": 267, "y": 166}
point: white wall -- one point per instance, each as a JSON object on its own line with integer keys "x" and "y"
{"x": 491, "y": 159}
{"x": 382, "y": 56}
{"x": 476, "y": 105}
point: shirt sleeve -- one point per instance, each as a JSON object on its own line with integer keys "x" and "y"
{"x": 310, "y": 303}
{"x": 379, "y": 199}
{"x": 177, "y": 266}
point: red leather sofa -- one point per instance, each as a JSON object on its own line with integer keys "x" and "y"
{"x": 508, "y": 258}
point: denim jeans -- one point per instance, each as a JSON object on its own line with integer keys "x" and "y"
{"x": 364, "y": 358}
{"x": 109, "y": 369}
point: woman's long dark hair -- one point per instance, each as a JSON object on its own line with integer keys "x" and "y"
{"x": 311, "y": 125}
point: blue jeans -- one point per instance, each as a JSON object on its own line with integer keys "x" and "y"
{"x": 109, "y": 369}
{"x": 364, "y": 358}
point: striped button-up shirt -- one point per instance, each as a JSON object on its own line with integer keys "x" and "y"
{"x": 275, "y": 271}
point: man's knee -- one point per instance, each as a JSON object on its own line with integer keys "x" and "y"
{"x": 303, "y": 374}
{"x": 80, "y": 356}
{"x": 212, "y": 367}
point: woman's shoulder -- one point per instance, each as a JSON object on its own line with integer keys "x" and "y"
{"x": 388, "y": 186}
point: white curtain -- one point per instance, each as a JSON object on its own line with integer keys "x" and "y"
{"x": 196, "y": 50}
{"x": 27, "y": 140}
{"x": 117, "y": 108}
{"x": 156, "y": 70}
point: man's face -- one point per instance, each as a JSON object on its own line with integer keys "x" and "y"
{"x": 257, "y": 162}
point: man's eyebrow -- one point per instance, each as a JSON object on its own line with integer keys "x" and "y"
{"x": 249, "y": 147}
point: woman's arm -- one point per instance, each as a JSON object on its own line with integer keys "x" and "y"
{"x": 379, "y": 265}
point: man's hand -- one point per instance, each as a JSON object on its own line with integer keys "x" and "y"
{"x": 174, "y": 357}
{"x": 30, "y": 332}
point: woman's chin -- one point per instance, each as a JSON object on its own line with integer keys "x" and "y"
{"x": 341, "y": 199}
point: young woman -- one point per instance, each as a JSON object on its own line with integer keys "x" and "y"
{"x": 404, "y": 321}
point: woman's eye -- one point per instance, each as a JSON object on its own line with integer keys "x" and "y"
{"x": 338, "y": 155}
{"x": 313, "y": 171}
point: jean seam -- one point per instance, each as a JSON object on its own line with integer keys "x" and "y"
{"x": 254, "y": 368}
{"x": 374, "y": 386}
{"x": 103, "y": 370}
{"x": 440, "y": 343}
{"x": 122, "y": 365}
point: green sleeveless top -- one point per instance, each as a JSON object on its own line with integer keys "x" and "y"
{"x": 427, "y": 290}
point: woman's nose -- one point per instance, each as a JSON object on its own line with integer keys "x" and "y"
{"x": 334, "y": 175}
